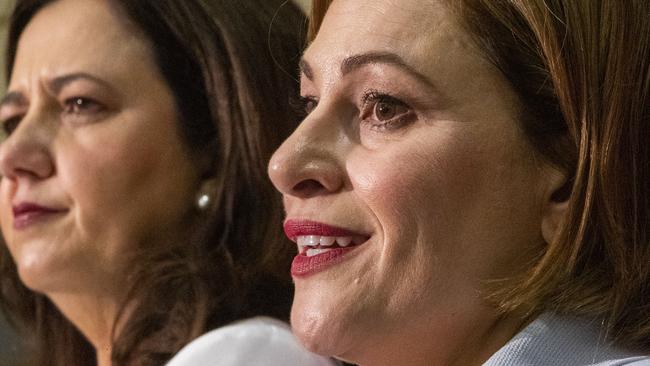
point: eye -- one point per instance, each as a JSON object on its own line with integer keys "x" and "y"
{"x": 383, "y": 111}
{"x": 304, "y": 105}
{"x": 9, "y": 125}
{"x": 81, "y": 106}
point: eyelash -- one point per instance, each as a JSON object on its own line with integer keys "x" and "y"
{"x": 9, "y": 125}
{"x": 304, "y": 105}
{"x": 74, "y": 107}
{"x": 370, "y": 101}
{"x": 81, "y": 106}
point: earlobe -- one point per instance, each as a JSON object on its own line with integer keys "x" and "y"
{"x": 205, "y": 194}
{"x": 556, "y": 204}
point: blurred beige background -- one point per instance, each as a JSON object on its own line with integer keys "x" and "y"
{"x": 304, "y": 3}
{"x": 5, "y": 7}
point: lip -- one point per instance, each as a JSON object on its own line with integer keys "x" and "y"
{"x": 295, "y": 228}
{"x": 27, "y": 214}
{"x": 303, "y": 265}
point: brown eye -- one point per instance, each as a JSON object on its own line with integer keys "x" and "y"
{"x": 307, "y": 104}
{"x": 303, "y": 105}
{"x": 79, "y": 105}
{"x": 386, "y": 110}
{"x": 310, "y": 105}
{"x": 383, "y": 112}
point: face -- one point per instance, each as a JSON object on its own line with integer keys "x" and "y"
{"x": 93, "y": 167}
{"x": 411, "y": 152}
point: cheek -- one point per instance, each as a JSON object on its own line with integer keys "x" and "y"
{"x": 427, "y": 200}
{"x": 97, "y": 179}
{"x": 7, "y": 190}
{"x": 415, "y": 187}
{"x": 454, "y": 211}
{"x": 127, "y": 187}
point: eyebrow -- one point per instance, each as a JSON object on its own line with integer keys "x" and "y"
{"x": 60, "y": 82}
{"x": 13, "y": 98}
{"x": 355, "y": 62}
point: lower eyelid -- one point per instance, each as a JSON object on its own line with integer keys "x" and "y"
{"x": 394, "y": 124}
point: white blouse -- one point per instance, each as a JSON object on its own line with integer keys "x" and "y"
{"x": 259, "y": 341}
{"x": 567, "y": 341}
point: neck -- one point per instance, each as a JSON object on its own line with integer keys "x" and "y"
{"x": 94, "y": 315}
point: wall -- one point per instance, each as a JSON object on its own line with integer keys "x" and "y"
{"x": 5, "y": 7}
{"x": 304, "y": 4}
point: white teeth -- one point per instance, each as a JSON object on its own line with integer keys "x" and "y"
{"x": 302, "y": 241}
{"x": 313, "y": 240}
{"x": 343, "y": 241}
{"x": 313, "y": 252}
{"x": 327, "y": 241}
{"x": 308, "y": 241}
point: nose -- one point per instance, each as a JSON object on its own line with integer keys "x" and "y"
{"x": 26, "y": 151}
{"x": 311, "y": 161}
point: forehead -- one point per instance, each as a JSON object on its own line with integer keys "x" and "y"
{"x": 67, "y": 35}
{"x": 414, "y": 29}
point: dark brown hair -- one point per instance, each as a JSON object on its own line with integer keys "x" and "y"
{"x": 582, "y": 72}
{"x": 228, "y": 65}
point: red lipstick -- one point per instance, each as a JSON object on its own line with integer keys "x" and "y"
{"x": 295, "y": 228}
{"x": 26, "y": 214}
{"x": 328, "y": 255}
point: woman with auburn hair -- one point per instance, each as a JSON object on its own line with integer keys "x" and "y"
{"x": 137, "y": 217}
{"x": 471, "y": 183}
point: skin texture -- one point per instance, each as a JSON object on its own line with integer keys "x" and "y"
{"x": 436, "y": 172}
{"x": 104, "y": 148}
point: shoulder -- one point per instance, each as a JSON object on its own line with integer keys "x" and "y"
{"x": 255, "y": 342}
{"x": 563, "y": 340}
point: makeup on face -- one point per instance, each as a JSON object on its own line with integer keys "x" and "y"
{"x": 320, "y": 245}
{"x": 407, "y": 186}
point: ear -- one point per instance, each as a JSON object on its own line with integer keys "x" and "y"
{"x": 556, "y": 203}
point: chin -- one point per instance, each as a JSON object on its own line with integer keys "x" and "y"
{"x": 320, "y": 332}
{"x": 308, "y": 328}
{"x": 36, "y": 278}
{"x": 44, "y": 274}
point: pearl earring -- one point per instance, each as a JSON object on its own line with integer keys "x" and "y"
{"x": 203, "y": 201}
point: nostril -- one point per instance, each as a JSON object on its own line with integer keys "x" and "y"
{"x": 308, "y": 187}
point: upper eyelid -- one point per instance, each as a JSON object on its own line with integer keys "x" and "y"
{"x": 374, "y": 95}
{"x": 12, "y": 114}
{"x": 18, "y": 111}
{"x": 90, "y": 89}
{"x": 59, "y": 84}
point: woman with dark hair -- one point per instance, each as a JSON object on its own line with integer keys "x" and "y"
{"x": 133, "y": 204}
{"x": 471, "y": 183}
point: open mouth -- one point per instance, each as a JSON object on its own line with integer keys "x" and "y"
{"x": 311, "y": 245}
{"x": 320, "y": 246}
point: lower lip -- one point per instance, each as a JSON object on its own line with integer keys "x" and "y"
{"x": 25, "y": 220}
{"x": 303, "y": 265}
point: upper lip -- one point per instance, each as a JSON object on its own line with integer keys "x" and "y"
{"x": 28, "y": 207}
{"x": 294, "y": 228}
